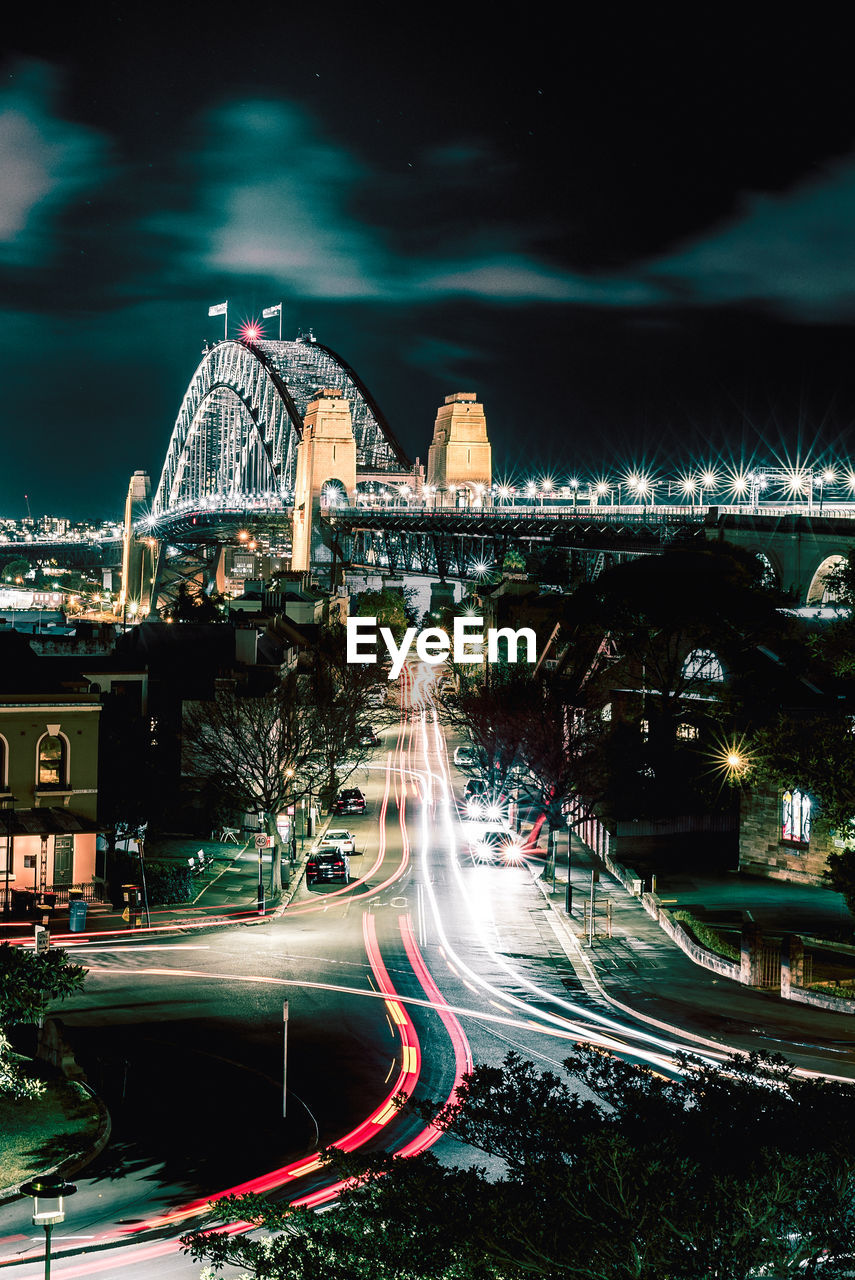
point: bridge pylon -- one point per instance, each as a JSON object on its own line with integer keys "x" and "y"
{"x": 460, "y": 457}
{"x": 326, "y": 468}
{"x": 138, "y": 553}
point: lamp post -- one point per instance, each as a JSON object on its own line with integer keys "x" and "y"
{"x": 48, "y": 1206}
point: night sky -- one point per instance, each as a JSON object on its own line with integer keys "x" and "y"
{"x": 636, "y": 243}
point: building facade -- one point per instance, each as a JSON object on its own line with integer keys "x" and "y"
{"x": 779, "y": 838}
{"x": 48, "y": 792}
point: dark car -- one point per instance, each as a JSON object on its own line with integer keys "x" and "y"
{"x": 496, "y": 846}
{"x": 350, "y": 801}
{"x": 369, "y": 739}
{"x": 328, "y": 864}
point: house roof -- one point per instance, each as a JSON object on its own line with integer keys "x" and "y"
{"x": 47, "y": 822}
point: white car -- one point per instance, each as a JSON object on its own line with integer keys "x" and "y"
{"x": 341, "y": 838}
{"x": 465, "y": 756}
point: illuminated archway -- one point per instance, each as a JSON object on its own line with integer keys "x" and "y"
{"x": 822, "y": 587}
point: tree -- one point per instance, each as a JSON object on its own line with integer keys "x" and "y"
{"x": 259, "y": 751}
{"x": 392, "y": 609}
{"x": 266, "y": 752}
{"x": 14, "y": 569}
{"x": 343, "y": 720}
{"x": 193, "y": 606}
{"x": 728, "y": 1171}
{"x": 28, "y": 982}
{"x": 536, "y": 732}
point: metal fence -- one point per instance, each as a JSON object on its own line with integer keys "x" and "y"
{"x": 55, "y": 895}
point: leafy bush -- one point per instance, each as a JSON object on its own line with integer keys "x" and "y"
{"x": 166, "y": 882}
{"x": 707, "y": 936}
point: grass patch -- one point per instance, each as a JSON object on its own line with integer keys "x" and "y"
{"x": 707, "y": 936}
{"x": 37, "y": 1134}
{"x": 840, "y": 990}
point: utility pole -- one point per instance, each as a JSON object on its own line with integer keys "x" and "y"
{"x": 284, "y": 1055}
{"x": 595, "y": 875}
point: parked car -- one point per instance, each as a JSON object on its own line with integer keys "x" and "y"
{"x": 369, "y": 738}
{"x": 350, "y": 800}
{"x": 465, "y": 756}
{"x": 340, "y": 838}
{"x": 328, "y": 864}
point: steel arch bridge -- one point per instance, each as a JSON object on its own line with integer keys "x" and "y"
{"x": 235, "y": 439}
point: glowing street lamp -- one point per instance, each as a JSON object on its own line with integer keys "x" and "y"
{"x": 689, "y": 485}
{"x": 49, "y": 1194}
{"x": 825, "y": 477}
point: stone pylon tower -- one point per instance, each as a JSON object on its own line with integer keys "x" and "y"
{"x": 138, "y": 554}
{"x": 460, "y": 457}
{"x": 326, "y": 464}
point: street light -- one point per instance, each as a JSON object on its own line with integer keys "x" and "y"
{"x": 48, "y": 1206}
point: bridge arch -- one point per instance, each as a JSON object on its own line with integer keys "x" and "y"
{"x": 770, "y": 574}
{"x": 234, "y": 409}
{"x": 820, "y": 589}
{"x": 241, "y": 420}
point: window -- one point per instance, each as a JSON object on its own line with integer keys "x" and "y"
{"x": 702, "y": 664}
{"x": 687, "y": 732}
{"x": 4, "y": 764}
{"x": 795, "y": 817}
{"x": 53, "y": 761}
{"x": 606, "y": 713}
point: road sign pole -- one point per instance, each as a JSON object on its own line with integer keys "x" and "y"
{"x": 261, "y": 845}
{"x": 284, "y": 1055}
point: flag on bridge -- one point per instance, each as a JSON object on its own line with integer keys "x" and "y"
{"x": 268, "y": 312}
{"x": 219, "y": 310}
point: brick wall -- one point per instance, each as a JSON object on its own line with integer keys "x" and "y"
{"x": 763, "y": 853}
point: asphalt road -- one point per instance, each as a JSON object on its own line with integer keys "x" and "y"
{"x": 183, "y": 1035}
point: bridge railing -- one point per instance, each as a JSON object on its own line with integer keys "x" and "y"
{"x": 588, "y": 511}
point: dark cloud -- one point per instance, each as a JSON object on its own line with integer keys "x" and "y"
{"x": 634, "y": 240}
{"x": 47, "y": 164}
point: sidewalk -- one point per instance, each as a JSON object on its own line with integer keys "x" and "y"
{"x": 640, "y": 970}
{"x": 226, "y": 893}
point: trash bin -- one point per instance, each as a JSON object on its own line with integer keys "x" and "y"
{"x": 77, "y": 915}
{"x": 23, "y": 903}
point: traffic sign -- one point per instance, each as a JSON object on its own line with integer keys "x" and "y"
{"x": 262, "y": 842}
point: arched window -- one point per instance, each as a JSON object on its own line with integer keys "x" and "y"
{"x": 52, "y": 761}
{"x": 702, "y": 664}
{"x": 795, "y": 817}
{"x": 4, "y": 764}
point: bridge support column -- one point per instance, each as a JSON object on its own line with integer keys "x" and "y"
{"x": 460, "y": 457}
{"x": 326, "y": 466}
{"x": 138, "y": 554}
